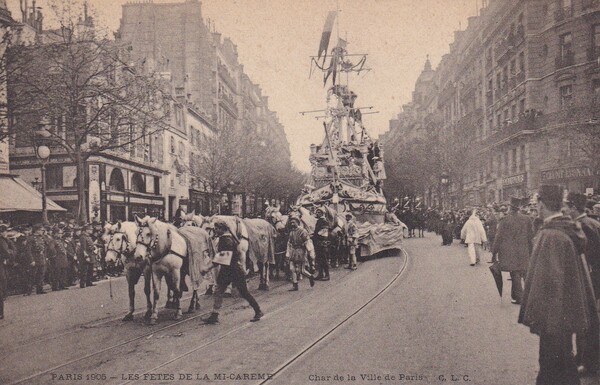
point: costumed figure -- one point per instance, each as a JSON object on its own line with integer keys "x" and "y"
{"x": 299, "y": 252}
{"x": 321, "y": 243}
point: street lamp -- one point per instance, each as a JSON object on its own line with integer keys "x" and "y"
{"x": 43, "y": 154}
{"x": 444, "y": 181}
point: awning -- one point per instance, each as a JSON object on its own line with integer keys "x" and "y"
{"x": 17, "y": 195}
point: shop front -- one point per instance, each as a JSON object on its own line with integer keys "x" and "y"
{"x": 514, "y": 186}
{"x": 574, "y": 179}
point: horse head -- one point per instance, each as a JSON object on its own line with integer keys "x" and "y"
{"x": 146, "y": 241}
{"x": 277, "y": 219}
{"x": 121, "y": 241}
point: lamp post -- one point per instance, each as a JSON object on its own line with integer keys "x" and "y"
{"x": 444, "y": 181}
{"x": 43, "y": 154}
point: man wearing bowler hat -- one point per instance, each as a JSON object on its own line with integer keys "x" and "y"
{"x": 512, "y": 245}
{"x": 558, "y": 299}
{"x": 85, "y": 257}
{"x": 36, "y": 251}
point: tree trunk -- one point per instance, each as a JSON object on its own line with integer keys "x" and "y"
{"x": 82, "y": 214}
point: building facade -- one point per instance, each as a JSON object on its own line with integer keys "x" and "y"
{"x": 520, "y": 86}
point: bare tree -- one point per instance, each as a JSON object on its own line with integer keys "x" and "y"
{"x": 77, "y": 91}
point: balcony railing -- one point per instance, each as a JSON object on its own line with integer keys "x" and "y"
{"x": 563, "y": 13}
{"x": 566, "y": 60}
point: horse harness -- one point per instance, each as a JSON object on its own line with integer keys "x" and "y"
{"x": 153, "y": 244}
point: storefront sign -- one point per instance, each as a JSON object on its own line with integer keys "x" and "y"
{"x": 513, "y": 180}
{"x": 566, "y": 173}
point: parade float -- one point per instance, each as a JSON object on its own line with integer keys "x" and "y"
{"x": 347, "y": 166}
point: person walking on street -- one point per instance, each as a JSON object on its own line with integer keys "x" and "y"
{"x": 558, "y": 298}
{"x": 298, "y": 252}
{"x": 85, "y": 257}
{"x": 352, "y": 237}
{"x": 512, "y": 246}
{"x": 37, "y": 255}
{"x": 321, "y": 242}
{"x": 588, "y": 345}
{"x": 7, "y": 254}
{"x": 474, "y": 236}
{"x": 230, "y": 268}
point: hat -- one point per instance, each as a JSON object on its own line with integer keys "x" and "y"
{"x": 296, "y": 219}
{"x": 37, "y": 226}
{"x": 590, "y": 204}
{"x": 86, "y": 226}
{"x": 348, "y": 216}
{"x": 220, "y": 226}
{"x": 320, "y": 210}
{"x": 515, "y": 202}
{"x": 551, "y": 193}
{"x": 578, "y": 200}
{"x": 57, "y": 230}
{"x": 3, "y": 226}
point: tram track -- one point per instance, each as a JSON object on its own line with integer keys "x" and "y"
{"x": 328, "y": 333}
{"x": 296, "y": 356}
{"x": 212, "y": 341}
{"x": 97, "y": 352}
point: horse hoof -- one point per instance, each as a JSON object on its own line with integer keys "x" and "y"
{"x": 128, "y": 317}
{"x": 178, "y": 316}
{"x": 152, "y": 321}
{"x": 190, "y": 311}
{"x": 148, "y": 315}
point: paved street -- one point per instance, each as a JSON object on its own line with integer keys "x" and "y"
{"x": 438, "y": 319}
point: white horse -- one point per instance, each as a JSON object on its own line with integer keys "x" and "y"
{"x": 167, "y": 250}
{"x": 119, "y": 239}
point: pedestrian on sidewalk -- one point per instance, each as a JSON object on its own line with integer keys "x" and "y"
{"x": 230, "y": 267}
{"x": 588, "y": 345}
{"x": 558, "y": 300}
{"x": 7, "y": 254}
{"x": 474, "y": 236}
{"x": 512, "y": 245}
{"x": 299, "y": 252}
{"x": 85, "y": 257}
{"x": 36, "y": 254}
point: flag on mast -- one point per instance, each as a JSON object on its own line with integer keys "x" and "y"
{"x": 326, "y": 36}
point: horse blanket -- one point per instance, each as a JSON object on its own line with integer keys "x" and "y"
{"x": 261, "y": 239}
{"x": 373, "y": 238}
{"x": 198, "y": 243}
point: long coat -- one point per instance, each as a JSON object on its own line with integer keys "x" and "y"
{"x": 591, "y": 228}
{"x": 558, "y": 296}
{"x": 513, "y": 242}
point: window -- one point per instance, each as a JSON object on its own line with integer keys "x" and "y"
{"x": 138, "y": 184}
{"x": 596, "y": 39}
{"x": 506, "y": 162}
{"x": 566, "y": 43}
{"x": 513, "y": 112}
{"x": 521, "y": 106}
{"x": 54, "y": 177}
{"x": 181, "y": 150}
{"x": 513, "y": 163}
{"x": 522, "y": 159}
{"x": 566, "y": 96}
{"x": 172, "y": 145}
{"x": 522, "y": 62}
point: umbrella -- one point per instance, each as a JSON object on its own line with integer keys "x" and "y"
{"x": 497, "y": 274}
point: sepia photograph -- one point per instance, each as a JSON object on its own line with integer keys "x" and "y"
{"x": 299, "y": 192}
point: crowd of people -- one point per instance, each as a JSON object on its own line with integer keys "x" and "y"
{"x": 59, "y": 255}
{"x": 550, "y": 246}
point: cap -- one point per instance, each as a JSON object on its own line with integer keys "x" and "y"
{"x": 515, "y": 202}
{"x": 220, "y": 226}
{"x": 295, "y": 219}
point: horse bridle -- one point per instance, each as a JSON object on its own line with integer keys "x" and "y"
{"x": 121, "y": 251}
{"x": 150, "y": 245}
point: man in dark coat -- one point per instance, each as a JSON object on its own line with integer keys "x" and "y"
{"x": 588, "y": 345}
{"x": 231, "y": 269}
{"x": 321, "y": 243}
{"x": 37, "y": 255}
{"x": 85, "y": 257}
{"x": 558, "y": 298}
{"x": 59, "y": 277}
{"x": 512, "y": 244}
{"x": 7, "y": 253}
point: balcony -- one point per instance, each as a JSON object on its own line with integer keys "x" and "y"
{"x": 563, "y": 13}
{"x": 566, "y": 60}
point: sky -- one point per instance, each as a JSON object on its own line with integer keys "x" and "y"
{"x": 275, "y": 39}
